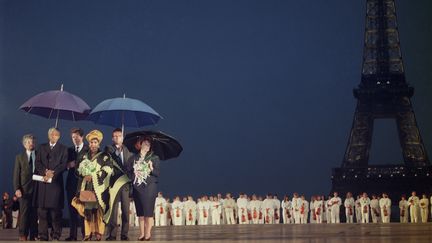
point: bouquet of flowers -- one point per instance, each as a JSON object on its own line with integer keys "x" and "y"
{"x": 87, "y": 167}
{"x": 141, "y": 171}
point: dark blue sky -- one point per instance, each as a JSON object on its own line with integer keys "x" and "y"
{"x": 258, "y": 92}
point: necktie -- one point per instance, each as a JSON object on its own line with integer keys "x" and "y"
{"x": 31, "y": 162}
{"x": 77, "y": 149}
{"x": 51, "y": 146}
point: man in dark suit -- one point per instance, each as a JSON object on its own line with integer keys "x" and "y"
{"x": 75, "y": 156}
{"x": 121, "y": 155}
{"x": 24, "y": 188}
{"x": 51, "y": 161}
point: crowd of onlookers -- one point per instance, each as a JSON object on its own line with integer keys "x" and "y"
{"x": 9, "y": 211}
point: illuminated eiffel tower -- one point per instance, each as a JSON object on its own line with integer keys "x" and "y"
{"x": 383, "y": 93}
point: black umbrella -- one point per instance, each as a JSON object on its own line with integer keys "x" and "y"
{"x": 163, "y": 145}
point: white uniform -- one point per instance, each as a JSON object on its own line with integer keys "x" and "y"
{"x": 318, "y": 207}
{"x": 268, "y": 206}
{"x": 277, "y": 207}
{"x": 328, "y": 211}
{"x": 385, "y": 205}
{"x": 286, "y": 212}
{"x": 424, "y": 208}
{"x": 335, "y": 203}
{"x": 364, "y": 203}
{"x": 431, "y": 206}
{"x": 403, "y": 210}
{"x": 349, "y": 209}
{"x": 312, "y": 215}
{"x": 177, "y": 212}
{"x": 304, "y": 210}
{"x": 216, "y": 212}
{"x": 228, "y": 206}
{"x": 190, "y": 212}
{"x": 375, "y": 210}
{"x": 160, "y": 212}
{"x": 242, "y": 205}
{"x": 203, "y": 209}
{"x": 296, "y": 203}
{"x": 358, "y": 211}
{"x": 254, "y": 208}
{"x": 133, "y": 219}
{"x": 261, "y": 212}
{"x": 413, "y": 202}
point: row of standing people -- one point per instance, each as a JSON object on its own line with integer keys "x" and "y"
{"x": 215, "y": 210}
{"x": 110, "y": 179}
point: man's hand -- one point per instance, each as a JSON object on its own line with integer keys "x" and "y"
{"x": 18, "y": 193}
{"x": 151, "y": 165}
{"x": 49, "y": 173}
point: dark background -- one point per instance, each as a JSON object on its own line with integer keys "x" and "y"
{"x": 258, "y": 92}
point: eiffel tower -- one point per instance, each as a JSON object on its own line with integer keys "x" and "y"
{"x": 383, "y": 93}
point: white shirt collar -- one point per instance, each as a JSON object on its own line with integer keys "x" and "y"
{"x": 79, "y": 147}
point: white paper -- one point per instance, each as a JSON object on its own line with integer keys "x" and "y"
{"x": 40, "y": 178}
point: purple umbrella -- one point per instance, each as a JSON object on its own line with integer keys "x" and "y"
{"x": 57, "y": 104}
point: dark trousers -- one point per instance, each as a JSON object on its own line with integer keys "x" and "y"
{"x": 123, "y": 198}
{"x": 27, "y": 219}
{"x": 75, "y": 219}
{"x": 7, "y": 223}
{"x": 55, "y": 216}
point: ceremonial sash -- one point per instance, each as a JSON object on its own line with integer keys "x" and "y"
{"x": 255, "y": 214}
{"x": 190, "y": 215}
{"x": 168, "y": 214}
{"x": 205, "y": 213}
{"x": 177, "y": 213}
{"x": 276, "y": 215}
{"x": 350, "y": 211}
{"x": 260, "y": 215}
{"x": 365, "y": 209}
{"x": 302, "y": 209}
{"x": 288, "y": 213}
{"x": 318, "y": 211}
{"x": 385, "y": 212}
{"x": 161, "y": 210}
{"x": 314, "y": 216}
{"x": 267, "y": 218}
{"x": 403, "y": 213}
{"x": 376, "y": 212}
{"x": 249, "y": 216}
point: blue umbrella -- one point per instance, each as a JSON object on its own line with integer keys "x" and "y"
{"x": 57, "y": 104}
{"x": 121, "y": 112}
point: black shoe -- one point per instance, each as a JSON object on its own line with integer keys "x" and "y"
{"x": 141, "y": 239}
{"x": 70, "y": 239}
{"x": 111, "y": 238}
{"x": 125, "y": 238}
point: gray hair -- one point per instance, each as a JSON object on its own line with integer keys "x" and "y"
{"x": 28, "y": 137}
{"x": 53, "y": 129}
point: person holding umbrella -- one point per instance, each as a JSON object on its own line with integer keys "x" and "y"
{"x": 121, "y": 155}
{"x": 144, "y": 171}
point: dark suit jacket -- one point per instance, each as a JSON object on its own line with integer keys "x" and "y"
{"x": 126, "y": 156}
{"x": 51, "y": 195}
{"x": 72, "y": 176}
{"x": 22, "y": 175}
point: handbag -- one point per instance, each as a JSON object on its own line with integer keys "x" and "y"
{"x": 87, "y": 196}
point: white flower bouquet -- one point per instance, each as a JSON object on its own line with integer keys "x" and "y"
{"x": 87, "y": 167}
{"x": 141, "y": 170}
